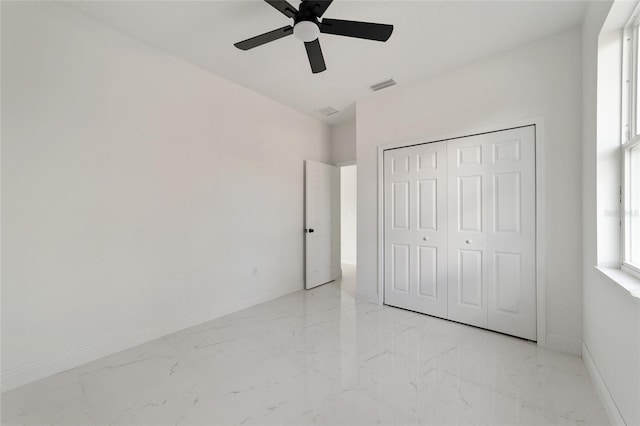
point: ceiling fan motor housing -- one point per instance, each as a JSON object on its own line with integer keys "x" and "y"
{"x": 307, "y": 12}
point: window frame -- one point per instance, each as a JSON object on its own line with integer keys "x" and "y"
{"x": 630, "y": 137}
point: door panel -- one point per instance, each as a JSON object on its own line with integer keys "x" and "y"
{"x": 467, "y": 242}
{"x": 470, "y": 285}
{"x": 428, "y": 271}
{"x": 507, "y": 201}
{"x": 322, "y": 215}
{"x": 427, "y": 204}
{"x": 427, "y": 161}
{"x": 400, "y": 164}
{"x": 469, "y": 155}
{"x": 415, "y": 229}
{"x": 400, "y": 267}
{"x": 470, "y": 204}
{"x": 400, "y": 209}
{"x": 511, "y": 248}
{"x": 508, "y": 282}
{"x": 508, "y": 150}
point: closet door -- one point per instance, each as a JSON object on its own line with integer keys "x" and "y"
{"x": 467, "y": 242}
{"x": 415, "y": 237}
{"x": 491, "y": 185}
{"x": 511, "y": 295}
{"x": 459, "y": 225}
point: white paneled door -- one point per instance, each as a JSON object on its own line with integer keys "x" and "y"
{"x": 467, "y": 235}
{"x": 511, "y": 296}
{"x": 322, "y": 223}
{"x": 416, "y": 228}
{"x": 460, "y": 230}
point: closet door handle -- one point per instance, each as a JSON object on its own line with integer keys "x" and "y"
{"x": 468, "y": 241}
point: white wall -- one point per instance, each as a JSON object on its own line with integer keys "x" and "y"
{"x": 611, "y": 318}
{"x": 543, "y": 80}
{"x": 343, "y": 142}
{"x": 138, "y": 192}
{"x": 348, "y": 213}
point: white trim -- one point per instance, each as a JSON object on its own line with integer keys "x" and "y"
{"x": 630, "y": 130}
{"x": 538, "y": 122}
{"x": 615, "y": 417}
{"x": 629, "y": 126}
{"x": 381, "y": 149}
{"x": 541, "y": 229}
{"x": 630, "y": 269}
{"x": 625, "y": 206}
{"x": 631, "y": 143}
{"x": 625, "y": 195}
{"x": 625, "y": 88}
{"x": 622, "y": 278}
{"x": 634, "y": 15}
{"x": 564, "y": 344}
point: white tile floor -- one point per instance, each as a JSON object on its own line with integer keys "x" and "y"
{"x": 318, "y": 357}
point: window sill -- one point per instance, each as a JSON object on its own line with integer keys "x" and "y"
{"x": 623, "y": 279}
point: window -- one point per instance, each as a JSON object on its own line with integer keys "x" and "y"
{"x": 630, "y": 192}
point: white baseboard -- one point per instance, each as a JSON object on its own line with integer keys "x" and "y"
{"x": 564, "y": 344}
{"x": 615, "y": 418}
{"x": 367, "y": 297}
{"x": 57, "y": 363}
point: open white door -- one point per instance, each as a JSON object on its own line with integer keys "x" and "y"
{"x": 322, "y": 223}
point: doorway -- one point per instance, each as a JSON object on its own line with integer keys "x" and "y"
{"x": 348, "y": 214}
{"x": 348, "y": 225}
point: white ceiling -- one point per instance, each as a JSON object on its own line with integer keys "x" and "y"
{"x": 429, "y": 37}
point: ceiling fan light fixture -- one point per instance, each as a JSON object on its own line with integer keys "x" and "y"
{"x": 306, "y": 31}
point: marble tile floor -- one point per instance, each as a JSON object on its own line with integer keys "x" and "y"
{"x": 318, "y": 357}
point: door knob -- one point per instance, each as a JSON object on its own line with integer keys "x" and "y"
{"x": 425, "y": 238}
{"x": 309, "y": 230}
{"x": 468, "y": 241}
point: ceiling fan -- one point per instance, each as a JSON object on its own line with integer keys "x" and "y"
{"x": 307, "y": 26}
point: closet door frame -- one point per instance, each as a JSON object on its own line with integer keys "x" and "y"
{"x": 538, "y": 124}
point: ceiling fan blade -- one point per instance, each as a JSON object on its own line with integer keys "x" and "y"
{"x": 314, "y": 52}
{"x": 317, "y": 7}
{"x": 284, "y": 7}
{"x": 264, "y": 38}
{"x": 367, "y": 30}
